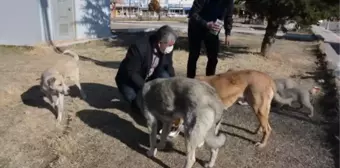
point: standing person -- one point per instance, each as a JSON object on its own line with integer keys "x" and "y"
{"x": 202, "y": 17}
{"x": 145, "y": 60}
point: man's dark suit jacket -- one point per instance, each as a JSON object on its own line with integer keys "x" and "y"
{"x": 135, "y": 66}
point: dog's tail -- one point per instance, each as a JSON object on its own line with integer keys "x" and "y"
{"x": 75, "y": 55}
{"x": 214, "y": 141}
{"x": 278, "y": 98}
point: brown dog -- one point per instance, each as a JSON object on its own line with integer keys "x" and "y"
{"x": 256, "y": 87}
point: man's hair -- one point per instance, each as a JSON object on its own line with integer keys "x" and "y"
{"x": 165, "y": 34}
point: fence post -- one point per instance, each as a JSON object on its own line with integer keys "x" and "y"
{"x": 327, "y": 25}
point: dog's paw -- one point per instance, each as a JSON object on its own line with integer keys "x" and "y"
{"x": 47, "y": 100}
{"x": 59, "y": 125}
{"x": 151, "y": 153}
{"x": 242, "y": 103}
{"x": 207, "y": 165}
{"x": 66, "y": 92}
{"x": 260, "y": 145}
{"x": 59, "y": 119}
{"x": 201, "y": 144}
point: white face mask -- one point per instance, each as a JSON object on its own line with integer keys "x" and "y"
{"x": 168, "y": 49}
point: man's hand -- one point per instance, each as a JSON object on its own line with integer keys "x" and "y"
{"x": 227, "y": 40}
{"x": 212, "y": 26}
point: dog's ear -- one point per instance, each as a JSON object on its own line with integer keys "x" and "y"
{"x": 51, "y": 81}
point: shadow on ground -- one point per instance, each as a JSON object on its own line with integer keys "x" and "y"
{"x": 103, "y": 97}
{"x": 329, "y": 101}
{"x": 296, "y": 114}
{"x": 98, "y": 95}
{"x": 285, "y": 111}
{"x": 123, "y": 130}
{"x": 237, "y": 135}
{"x": 34, "y": 97}
{"x": 336, "y": 47}
{"x": 107, "y": 64}
{"x": 125, "y": 39}
{"x": 333, "y": 130}
{"x": 182, "y": 43}
{"x": 121, "y": 39}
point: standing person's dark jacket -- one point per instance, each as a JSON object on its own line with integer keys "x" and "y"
{"x": 203, "y": 11}
{"x": 135, "y": 66}
{"x": 201, "y": 27}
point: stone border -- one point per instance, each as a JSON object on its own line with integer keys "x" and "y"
{"x": 332, "y": 58}
{"x": 332, "y": 61}
{"x": 331, "y": 100}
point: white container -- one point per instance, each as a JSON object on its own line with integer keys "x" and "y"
{"x": 220, "y": 24}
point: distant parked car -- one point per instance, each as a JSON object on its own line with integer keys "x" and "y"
{"x": 291, "y": 25}
{"x": 173, "y": 15}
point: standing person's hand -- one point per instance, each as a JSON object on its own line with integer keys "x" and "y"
{"x": 227, "y": 40}
{"x": 212, "y": 26}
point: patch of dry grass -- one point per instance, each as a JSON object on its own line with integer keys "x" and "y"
{"x": 101, "y": 134}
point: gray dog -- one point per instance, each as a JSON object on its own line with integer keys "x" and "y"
{"x": 284, "y": 83}
{"x": 195, "y": 102}
{"x": 286, "y": 87}
{"x": 52, "y": 81}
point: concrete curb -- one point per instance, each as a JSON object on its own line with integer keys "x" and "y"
{"x": 332, "y": 59}
{"x": 326, "y": 35}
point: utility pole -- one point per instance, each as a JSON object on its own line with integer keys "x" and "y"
{"x": 129, "y": 9}
{"x": 138, "y": 4}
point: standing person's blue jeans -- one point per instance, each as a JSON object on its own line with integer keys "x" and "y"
{"x": 129, "y": 92}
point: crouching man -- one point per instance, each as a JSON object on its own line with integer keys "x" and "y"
{"x": 147, "y": 59}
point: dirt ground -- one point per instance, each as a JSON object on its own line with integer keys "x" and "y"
{"x": 99, "y": 132}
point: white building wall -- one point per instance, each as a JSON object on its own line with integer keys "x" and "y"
{"x": 93, "y": 22}
{"x": 20, "y": 22}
